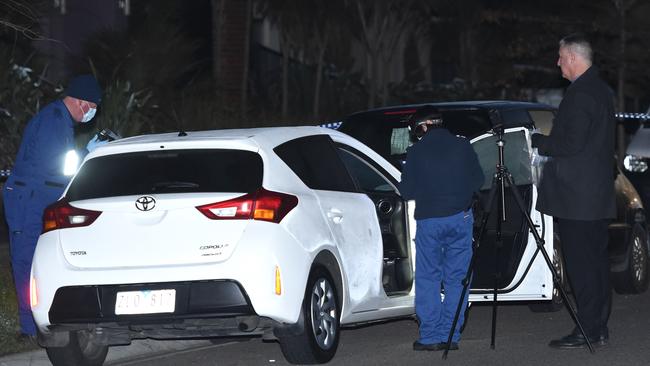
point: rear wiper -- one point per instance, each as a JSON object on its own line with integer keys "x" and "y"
{"x": 174, "y": 184}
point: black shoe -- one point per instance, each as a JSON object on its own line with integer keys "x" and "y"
{"x": 417, "y": 346}
{"x": 576, "y": 340}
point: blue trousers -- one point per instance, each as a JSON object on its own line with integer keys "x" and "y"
{"x": 443, "y": 253}
{"x": 24, "y": 205}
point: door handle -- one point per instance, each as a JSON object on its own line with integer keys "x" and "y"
{"x": 335, "y": 215}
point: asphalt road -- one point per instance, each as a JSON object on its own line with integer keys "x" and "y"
{"x": 522, "y": 338}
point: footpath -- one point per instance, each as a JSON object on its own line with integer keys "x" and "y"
{"x": 139, "y": 349}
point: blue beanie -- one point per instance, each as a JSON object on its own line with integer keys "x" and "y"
{"x": 85, "y": 87}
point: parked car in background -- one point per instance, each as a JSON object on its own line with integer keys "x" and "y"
{"x": 386, "y": 131}
{"x": 637, "y": 154}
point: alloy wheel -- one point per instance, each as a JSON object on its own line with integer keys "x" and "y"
{"x": 638, "y": 259}
{"x": 324, "y": 319}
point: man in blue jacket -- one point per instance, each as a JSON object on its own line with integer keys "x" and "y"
{"x": 37, "y": 179}
{"x": 441, "y": 174}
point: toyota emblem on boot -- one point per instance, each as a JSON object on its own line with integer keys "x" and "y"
{"x": 145, "y": 203}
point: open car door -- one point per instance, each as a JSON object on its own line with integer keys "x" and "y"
{"x": 514, "y": 264}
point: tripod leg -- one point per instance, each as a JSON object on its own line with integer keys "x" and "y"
{"x": 470, "y": 269}
{"x": 540, "y": 245}
{"x": 497, "y": 254}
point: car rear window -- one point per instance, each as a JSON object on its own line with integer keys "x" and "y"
{"x": 169, "y": 171}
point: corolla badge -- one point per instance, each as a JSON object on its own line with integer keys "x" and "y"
{"x": 145, "y": 203}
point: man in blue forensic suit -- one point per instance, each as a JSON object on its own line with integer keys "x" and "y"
{"x": 441, "y": 174}
{"x": 37, "y": 179}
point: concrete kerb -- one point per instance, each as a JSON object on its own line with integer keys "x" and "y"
{"x": 138, "y": 349}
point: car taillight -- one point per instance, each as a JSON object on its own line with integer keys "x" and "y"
{"x": 260, "y": 205}
{"x": 33, "y": 297}
{"x": 61, "y": 215}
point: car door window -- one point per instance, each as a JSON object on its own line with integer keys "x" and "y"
{"x": 364, "y": 173}
{"x": 516, "y": 157}
{"x": 400, "y": 140}
{"x": 543, "y": 120}
{"x": 315, "y": 161}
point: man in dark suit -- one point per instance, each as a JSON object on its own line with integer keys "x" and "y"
{"x": 577, "y": 187}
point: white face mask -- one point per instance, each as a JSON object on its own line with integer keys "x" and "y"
{"x": 88, "y": 115}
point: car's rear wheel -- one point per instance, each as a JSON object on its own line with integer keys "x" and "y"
{"x": 634, "y": 279}
{"x": 319, "y": 337}
{"x": 82, "y": 350}
{"x": 556, "y": 302}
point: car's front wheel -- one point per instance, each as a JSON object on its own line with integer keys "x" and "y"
{"x": 318, "y": 339}
{"x": 81, "y": 350}
{"x": 634, "y": 279}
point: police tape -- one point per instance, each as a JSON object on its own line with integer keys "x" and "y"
{"x": 332, "y": 125}
{"x": 628, "y": 116}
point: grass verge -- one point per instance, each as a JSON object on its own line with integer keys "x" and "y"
{"x": 9, "y": 307}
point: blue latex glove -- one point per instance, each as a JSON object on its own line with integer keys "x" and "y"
{"x": 95, "y": 143}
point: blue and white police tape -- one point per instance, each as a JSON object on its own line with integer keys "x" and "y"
{"x": 641, "y": 116}
{"x": 332, "y": 125}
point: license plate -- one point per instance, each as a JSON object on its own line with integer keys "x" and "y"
{"x": 145, "y": 302}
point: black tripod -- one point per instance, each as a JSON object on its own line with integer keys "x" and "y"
{"x": 502, "y": 176}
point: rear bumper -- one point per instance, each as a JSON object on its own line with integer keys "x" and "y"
{"x": 122, "y": 333}
{"x": 203, "y": 309}
{"x": 202, "y": 299}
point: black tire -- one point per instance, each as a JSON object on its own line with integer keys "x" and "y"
{"x": 634, "y": 279}
{"x": 321, "y": 311}
{"x": 556, "y": 302}
{"x": 80, "y": 351}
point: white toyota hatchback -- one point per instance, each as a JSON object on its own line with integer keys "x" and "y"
{"x": 286, "y": 233}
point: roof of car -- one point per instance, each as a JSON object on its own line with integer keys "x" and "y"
{"x": 508, "y": 114}
{"x": 471, "y": 104}
{"x": 266, "y": 133}
{"x": 251, "y": 139}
